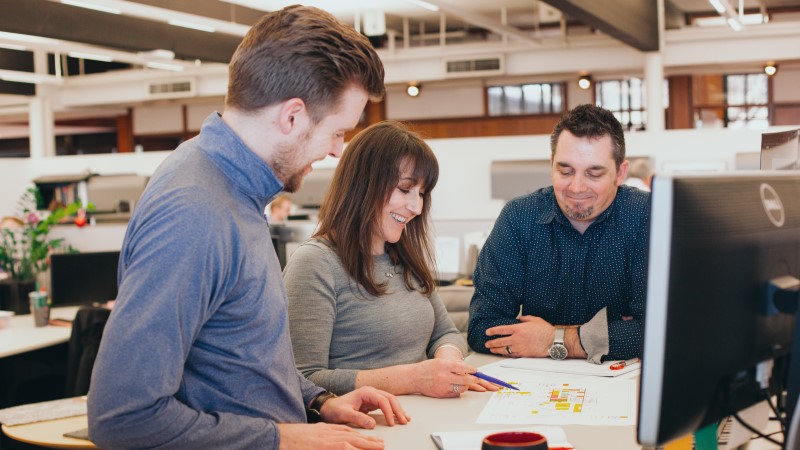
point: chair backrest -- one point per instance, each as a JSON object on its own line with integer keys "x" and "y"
{"x": 84, "y": 342}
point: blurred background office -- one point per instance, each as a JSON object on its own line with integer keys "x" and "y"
{"x": 113, "y": 92}
{"x": 640, "y": 174}
{"x": 280, "y": 208}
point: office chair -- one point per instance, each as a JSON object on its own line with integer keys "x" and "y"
{"x": 84, "y": 342}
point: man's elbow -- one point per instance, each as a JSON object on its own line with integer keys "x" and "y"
{"x": 103, "y": 433}
{"x": 110, "y": 429}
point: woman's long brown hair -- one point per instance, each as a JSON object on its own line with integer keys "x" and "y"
{"x": 363, "y": 182}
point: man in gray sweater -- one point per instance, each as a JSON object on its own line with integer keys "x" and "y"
{"x": 196, "y": 353}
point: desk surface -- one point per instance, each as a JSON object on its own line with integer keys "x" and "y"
{"x": 51, "y": 433}
{"x": 427, "y": 415}
{"x": 21, "y": 335}
{"x": 459, "y": 414}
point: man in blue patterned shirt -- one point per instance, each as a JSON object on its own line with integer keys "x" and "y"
{"x": 572, "y": 256}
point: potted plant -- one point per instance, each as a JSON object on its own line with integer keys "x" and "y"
{"x": 25, "y": 248}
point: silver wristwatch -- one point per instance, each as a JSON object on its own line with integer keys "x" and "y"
{"x": 558, "y": 350}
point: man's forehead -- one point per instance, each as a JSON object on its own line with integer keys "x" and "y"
{"x": 595, "y": 151}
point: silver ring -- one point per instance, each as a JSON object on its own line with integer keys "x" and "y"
{"x": 456, "y": 388}
{"x": 508, "y": 349}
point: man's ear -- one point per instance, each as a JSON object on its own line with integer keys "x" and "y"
{"x": 292, "y": 113}
{"x": 622, "y": 173}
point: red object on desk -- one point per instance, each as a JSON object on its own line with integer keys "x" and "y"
{"x": 623, "y": 364}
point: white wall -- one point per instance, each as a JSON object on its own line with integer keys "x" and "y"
{"x": 462, "y": 200}
{"x": 157, "y": 119}
{"x": 786, "y": 84}
{"x": 453, "y": 99}
{"x": 463, "y": 191}
{"x": 17, "y": 174}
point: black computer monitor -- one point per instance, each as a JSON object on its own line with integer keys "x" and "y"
{"x": 719, "y": 245}
{"x": 83, "y": 278}
{"x": 780, "y": 150}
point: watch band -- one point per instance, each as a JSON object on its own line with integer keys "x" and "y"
{"x": 314, "y": 410}
{"x": 559, "y": 337}
{"x": 558, "y": 350}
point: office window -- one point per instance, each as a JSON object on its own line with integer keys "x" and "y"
{"x": 747, "y": 101}
{"x": 627, "y": 98}
{"x": 536, "y": 98}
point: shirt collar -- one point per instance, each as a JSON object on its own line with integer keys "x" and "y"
{"x": 244, "y": 168}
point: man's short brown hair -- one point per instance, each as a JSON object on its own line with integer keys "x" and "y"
{"x": 301, "y": 52}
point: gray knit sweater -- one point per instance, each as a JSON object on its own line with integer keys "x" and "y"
{"x": 338, "y": 330}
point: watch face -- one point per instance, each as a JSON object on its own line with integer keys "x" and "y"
{"x": 558, "y": 351}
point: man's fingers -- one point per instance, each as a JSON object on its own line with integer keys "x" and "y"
{"x": 391, "y": 409}
{"x": 500, "y": 330}
{"x": 399, "y": 412}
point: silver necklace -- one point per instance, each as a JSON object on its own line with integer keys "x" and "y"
{"x": 392, "y": 273}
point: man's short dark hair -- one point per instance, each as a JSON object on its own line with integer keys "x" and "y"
{"x": 302, "y": 52}
{"x": 591, "y": 121}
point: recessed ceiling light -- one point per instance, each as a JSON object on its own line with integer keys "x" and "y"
{"x": 93, "y": 6}
{"x": 92, "y": 56}
{"x": 192, "y": 25}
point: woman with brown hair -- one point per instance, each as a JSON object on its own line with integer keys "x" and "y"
{"x": 363, "y": 309}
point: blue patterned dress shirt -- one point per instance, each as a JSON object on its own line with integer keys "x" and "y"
{"x": 535, "y": 259}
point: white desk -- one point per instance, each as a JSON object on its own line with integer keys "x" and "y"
{"x": 23, "y": 336}
{"x": 459, "y": 414}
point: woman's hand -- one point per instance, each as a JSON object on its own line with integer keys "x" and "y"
{"x": 442, "y": 378}
{"x": 453, "y": 354}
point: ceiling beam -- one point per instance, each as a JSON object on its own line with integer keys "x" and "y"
{"x": 60, "y": 21}
{"x": 213, "y": 9}
{"x": 634, "y": 22}
{"x": 483, "y": 22}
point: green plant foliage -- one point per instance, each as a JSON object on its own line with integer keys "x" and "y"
{"x": 24, "y": 251}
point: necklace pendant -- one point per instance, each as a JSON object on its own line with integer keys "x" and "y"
{"x": 389, "y": 275}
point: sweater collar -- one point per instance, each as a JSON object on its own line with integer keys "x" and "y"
{"x": 244, "y": 168}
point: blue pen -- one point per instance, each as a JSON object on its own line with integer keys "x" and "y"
{"x": 494, "y": 380}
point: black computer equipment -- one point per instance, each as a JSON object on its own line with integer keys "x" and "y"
{"x": 83, "y": 278}
{"x": 723, "y": 274}
{"x": 780, "y": 150}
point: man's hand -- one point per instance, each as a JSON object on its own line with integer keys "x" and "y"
{"x": 353, "y": 407}
{"x": 323, "y": 436}
{"x": 531, "y": 338}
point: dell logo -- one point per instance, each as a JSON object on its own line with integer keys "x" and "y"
{"x": 772, "y": 205}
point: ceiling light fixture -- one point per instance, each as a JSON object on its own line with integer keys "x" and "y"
{"x": 25, "y": 38}
{"x": 159, "y": 54}
{"x": 13, "y": 47}
{"x": 724, "y": 8}
{"x": 92, "y": 6}
{"x": 413, "y": 89}
{"x": 717, "y": 21}
{"x": 192, "y": 25}
{"x": 718, "y": 6}
{"x": 29, "y": 77}
{"x": 164, "y": 66}
{"x": 84, "y": 51}
{"x": 735, "y": 24}
{"x": 426, "y": 5}
{"x": 92, "y": 56}
{"x": 770, "y": 69}
{"x": 585, "y": 81}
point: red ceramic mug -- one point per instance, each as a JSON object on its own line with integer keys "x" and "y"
{"x": 517, "y": 440}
